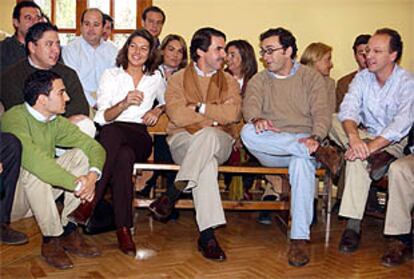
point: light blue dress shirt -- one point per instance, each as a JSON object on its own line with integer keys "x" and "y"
{"x": 386, "y": 111}
{"x": 89, "y": 63}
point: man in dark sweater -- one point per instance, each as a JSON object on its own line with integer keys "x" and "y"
{"x": 25, "y": 15}
{"x": 43, "y": 50}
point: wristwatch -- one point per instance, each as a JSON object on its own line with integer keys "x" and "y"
{"x": 198, "y": 106}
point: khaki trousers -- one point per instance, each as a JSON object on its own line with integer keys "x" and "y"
{"x": 199, "y": 156}
{"x": 357, "y": 180}
{"x": 400, "y": 196}
{"x": 37, "y": 198}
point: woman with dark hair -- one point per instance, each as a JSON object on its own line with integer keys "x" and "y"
{"x": 241, "y": 62}
{"x": 242, "y": 65}
{"x": 173, "y": 55}
{"x": 125, "y": 98}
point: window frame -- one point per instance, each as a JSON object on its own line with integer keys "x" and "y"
{"x": 81, "y": 5}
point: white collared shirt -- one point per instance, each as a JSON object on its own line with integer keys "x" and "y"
{"x": 114, "y": 86}
{"x": 37, "y": 115}
{"x": 201, "y": 73}
{"x": 89, "y": 63}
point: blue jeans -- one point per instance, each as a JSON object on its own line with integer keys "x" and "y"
{"x": 284, "y": 150}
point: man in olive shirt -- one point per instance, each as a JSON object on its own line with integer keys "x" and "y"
{"x": 40, "y": 128}
{"x": 25, "y": 15}
{"x": 43, "y": 50}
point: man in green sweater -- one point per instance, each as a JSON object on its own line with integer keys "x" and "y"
{"x": 40, "y": 128}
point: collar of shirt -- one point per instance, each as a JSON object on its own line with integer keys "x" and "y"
{"x": 34, "y": 65}
{"x": 37, "y": 115}
{"x": 17, "y": 41}
{"x": 88, "y": 46}
{"x": 292, "y": 72}
{"x": 393, "y": 76}
{"x": 201, "y": 73}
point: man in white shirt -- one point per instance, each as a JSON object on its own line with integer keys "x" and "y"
{"x": 89, "y": 55}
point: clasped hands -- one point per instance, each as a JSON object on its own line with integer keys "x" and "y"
{"x": 87, "y": 186}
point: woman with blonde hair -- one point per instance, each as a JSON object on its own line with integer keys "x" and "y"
{"x": 319, "y": 56}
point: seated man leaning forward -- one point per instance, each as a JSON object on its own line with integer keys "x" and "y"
{"x": 202, "y": 102}
{"x": 287, "y": 115}
{"x": 398, "y": 221}
{"x": 373, "y": 122}
{"x": 40, "y": 128}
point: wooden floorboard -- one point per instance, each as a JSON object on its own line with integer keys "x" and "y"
{"x": 253, "y": 251}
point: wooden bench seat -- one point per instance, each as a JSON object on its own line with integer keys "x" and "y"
{"x": 280, "y": 207}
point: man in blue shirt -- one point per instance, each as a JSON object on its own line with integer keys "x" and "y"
{"x": 373, "y": 122}
{"x": 89, "y": 55}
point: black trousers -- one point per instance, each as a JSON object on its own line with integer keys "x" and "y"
{"x": 10, "y": 157}
{"x": 125, "y": 144}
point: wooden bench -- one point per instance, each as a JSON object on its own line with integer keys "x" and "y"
{"x": 281, "y": 207}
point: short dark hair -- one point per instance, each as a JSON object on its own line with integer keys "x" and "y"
{"x": 93, "y": 10}
{"x": 35, "y": 33}
{"x": 286, "y": 39}
{"x": 396, "y": 43}
{"x": 151, "y": 63}
{"x": 248, "y": 58}
{"x": 360, "y": 40}
{"x": 24, "y": 4}
{"x": 173, "y": 37}
{"x": 110, "y": 19}
{"x": 202, "y": 40}
{"x": 153, "y": 9}
{"x": 39, "y": 82}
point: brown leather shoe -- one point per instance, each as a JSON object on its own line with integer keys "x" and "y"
{"x": 212, "y": 250}
{"x": 83, "y": 212}
{"x": 379, "y": 163}
{"x": 125, "y": 242}
{"x": 349, "y": 241}
{"x": 75, "y": 243}
{"x": 329, "y": 158}
{"x": 298, "y": 252}
{"x": 11, "y": 237}
{"x": 396, "y": 253}
{"x": 54, "y": 255}
{"x": 161, "y": 208}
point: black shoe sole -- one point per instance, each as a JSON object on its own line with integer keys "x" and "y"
{"x": 297, "y": 264}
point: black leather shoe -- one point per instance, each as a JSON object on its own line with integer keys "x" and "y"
{"x": 161, "y": 208}
{"x": 212, "y": 250}
{"x": 378, "y": 164}
{"x": 349, "y": 241}
{"x": 396, "y": 253}
{"x": 11, "y": 237}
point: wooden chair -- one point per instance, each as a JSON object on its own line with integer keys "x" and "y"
{"x": 281, "y": 207}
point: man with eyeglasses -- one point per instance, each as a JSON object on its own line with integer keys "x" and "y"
{"x": 287, "y": 115}
{"x": 25, "y": 15}
{"x": 372, "y": 126}
{"x": 342, "y": 86}
{"x": 153, "y": 19}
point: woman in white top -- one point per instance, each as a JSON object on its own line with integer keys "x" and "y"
{"x": 125, "y": 98}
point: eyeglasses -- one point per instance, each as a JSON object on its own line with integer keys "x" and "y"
{"x": 269, "y": 51}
